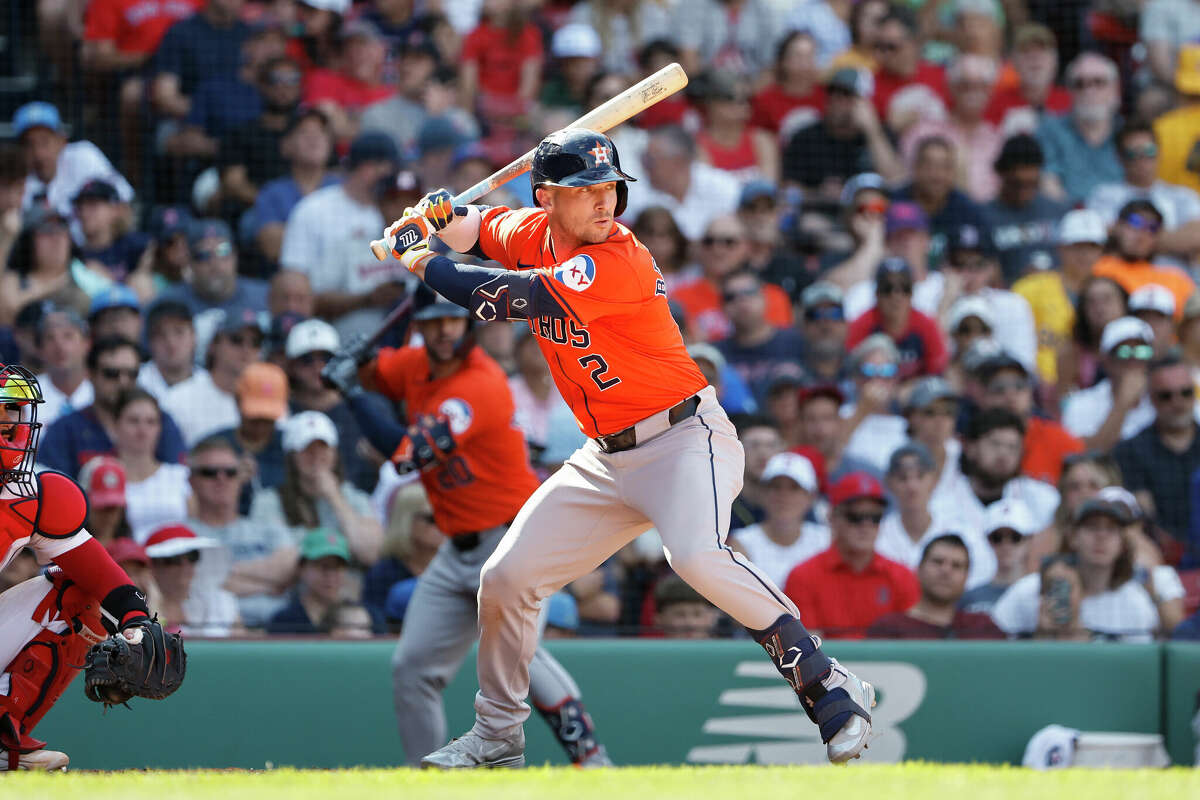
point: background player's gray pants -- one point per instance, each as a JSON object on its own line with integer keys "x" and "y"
{"x": 440, "y": 626}
{"x": 682, "y": 482}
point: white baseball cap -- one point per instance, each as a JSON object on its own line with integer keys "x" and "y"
{"x": 337, "y": 6}
{"x": 1082, "y": 225}
{"x": 794, "y": 466}
{"x": 1012, "y": 514}
{"x": 1153, "y": 297}
{"x": 311, "y": 336}
{"x": 971, "y": 305}
{"x": 576, "y": 40}
{"x": 1122, "y": 330}
{"x": 307, "y": 427}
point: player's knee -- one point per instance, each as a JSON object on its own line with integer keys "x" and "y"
{"x": 501, "y": 583}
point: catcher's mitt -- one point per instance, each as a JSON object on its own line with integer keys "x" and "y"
{"x": 150, "y": 665}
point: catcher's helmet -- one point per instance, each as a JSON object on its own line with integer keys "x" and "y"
{"x": 578, "y": 157}
{"x": 20, "y": 396}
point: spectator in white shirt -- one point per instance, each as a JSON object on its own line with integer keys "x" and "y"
{"x": 872, "y": 430}
{"x": 695, "y": 193}
{"x": 1117, "y": 407}
{"x": 1008, "y": 529}
{"x": 1090, "y": 593}
{"x": 155, "y": 493}
{"x": 171, "y": 336}
{"x": 63, "y": 341}
{"x": 190, "y": 607}
{"x": 908, "y": 526}
{"x": 785, "y": 537}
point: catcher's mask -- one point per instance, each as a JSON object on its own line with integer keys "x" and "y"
{"x": 20, "y": 396}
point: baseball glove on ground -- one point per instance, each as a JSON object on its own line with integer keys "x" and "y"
{"x": 141, "y": 661}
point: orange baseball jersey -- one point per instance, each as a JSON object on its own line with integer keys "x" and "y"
{"x": 486, "y": 478}
{"x": 618, "y": 357}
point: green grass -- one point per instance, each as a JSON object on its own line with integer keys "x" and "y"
{"x": 866, "y": 782}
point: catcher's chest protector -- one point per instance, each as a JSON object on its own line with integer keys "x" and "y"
{"x": 15, "y": 530}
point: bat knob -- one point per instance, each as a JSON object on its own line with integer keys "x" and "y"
{"x": 380, "y": 248}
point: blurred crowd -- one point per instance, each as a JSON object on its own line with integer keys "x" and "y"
{"x": 938, "y": 257}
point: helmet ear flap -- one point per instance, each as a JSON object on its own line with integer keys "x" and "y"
{"x": 622, "y": 198}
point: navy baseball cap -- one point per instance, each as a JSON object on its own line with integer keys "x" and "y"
{"x": 116, "y": 296}
{"x": 203, "y": 229}
{"x": 96, "y": 190}
{"x": 168, "y": 221}
{"x": 237, "y": 319}
{"x": 372, "y": 146}
{"x": 893, "y": 265}
{"x": 971, "y": 238}
{"x": 37, "y": 114}
{"x": 438, "y": 133}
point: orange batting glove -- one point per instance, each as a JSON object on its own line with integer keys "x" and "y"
{"x": 409, "y": 230}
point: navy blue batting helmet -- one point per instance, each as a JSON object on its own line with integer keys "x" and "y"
{"x": 578, "y": 157}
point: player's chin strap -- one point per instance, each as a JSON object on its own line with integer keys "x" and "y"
{"x": 797, "y": 655}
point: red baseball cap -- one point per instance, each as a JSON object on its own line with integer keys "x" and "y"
{"x": 125, "y": 549}
{"x": 855, "y": 486}
{"x": 829, "y": 390}
{"x": 103, "y": 479}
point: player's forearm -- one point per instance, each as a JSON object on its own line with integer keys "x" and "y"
{"x": 493, "y": 294}
{"x": 93, "y": 569}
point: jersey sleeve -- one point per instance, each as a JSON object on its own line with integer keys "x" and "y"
{"x": 610, "y": 279}
{"x": 503, "y": 232}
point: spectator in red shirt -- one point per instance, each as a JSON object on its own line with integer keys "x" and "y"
{"x": 501, "y": 62}
{"x": 902, "y": 75}
{"x": 1035, "y": 59}
{"x": 917, "y": 336}
{"x": 357, "y": 82}
{"x": 796, "y": 96}
{"x": 942, "y": 573}
{"x": 727, "y": 140}
{"x": 844, "y": 590}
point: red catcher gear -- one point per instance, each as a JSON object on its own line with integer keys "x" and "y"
{"x": 20, "y": 396}
{"x": 47, "y": 664}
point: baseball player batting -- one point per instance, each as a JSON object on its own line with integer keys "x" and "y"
{"x": 72, "y": 614}
{"x": 474, "y": 465}
{"x": 661, "y": 451}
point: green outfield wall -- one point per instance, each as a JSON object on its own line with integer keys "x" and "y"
{"x": 328, "y": 704}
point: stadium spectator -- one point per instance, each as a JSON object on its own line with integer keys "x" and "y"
{"x": 170, "y": 257}
{"x": 695, "y": 193}
{"x": 731, "y": 391}
{"x": 116, "y": 311}
{"x": 1165, "y": 28}
{"x": 324, "y": 558}
{"x": 726, "y": 139}
{"x": 976, "y": 141}
{"x": 1007, "y": 384}
{"x": 255, "y": 562}
{"x": 1091, "y": 592}
{"x": 189, "y": 607}
{"x": 500, "y": 71}
{"x": 712, "y": 34}
{"x": 1155, "y": 305}
{"x": 62, "y": 341}
{"x": 942, "y": 574}
{"x": 761, "y": 441}
{"x": 1099, "y": 302}
{"x": 1176, "y": 129}
{"x": 1083, "y": 476}
{"x": 314, "y": 494}
{"x": 1160, "y": 580}
{"x": 723, "y": 251}
{"x": 908, "y": 526}
{"x": 171, "y": 337}
{"x": 410, "y": 541}
{"x": 770, "y": 254}
{"x": 759, "y": 351}
{"x": 1137, "y": 145}
{"x": 343, "y": 92}
{"x": 155, "y": 492}
{"x": 904, "y": 82}
{"x": 795, "y": 96}
{"x": 847, "y": 140}
{"x": 576, "y": 49}
{"x": 625, "y": 28}
{"x": 680, "y": 612}
{"x": 1080, "y": 239}
{"x": 824, "y": 327}
{"x": 1157, "y": 463}
{"x": 1189, "y": 334}
{"x": 351, "y": 292}
{"x": 348, "y": 620}
{"x": 12, "y": 188}
{"x": 863, "y": 23}
{"x": 318, "y": 23}
{"x": 77, "y": 437}
{"x": 1034, "y": 58}
{"x": 207, "y": 403}
{"x": 656, "y": 228}
{"x": 1023, "y": 220}
{"x": 843, "y": 590}
{"x": 214, "y": 281}
{"x": 918, "y": 339}
{"x": 131, "y": 557}
{"x": 1118, "y": 406}
{"x": 103, "y": 481}
{"x": 1080, "y": 146}
{"x": 870, "y": 428}
{"x": 262, "y": 403}
{"x": 206, "y": 45}
{"x": 59, "y": 169}
{"x": 932, "y": 409}
{"x": 906, "y": 236}
{"x": 865, "y": 205}
{"x": 43, "y": 266}
{"x": 1134, "y": 244}
{"x": 932, "y": 188}
{"x": 969, "y": 320}
{"x": 785, "y": 537}
{"x": 105, "y": 246}
{"x": 1007, "y": 529}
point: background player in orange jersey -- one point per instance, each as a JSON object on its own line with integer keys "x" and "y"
{"x": 661, "y": 451}
{"x": 472, "y": 460}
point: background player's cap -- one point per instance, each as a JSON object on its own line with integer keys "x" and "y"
{"x": 794, "y": 466}
{"x": 856, "y": 486}
{"x": 307, "y": 427}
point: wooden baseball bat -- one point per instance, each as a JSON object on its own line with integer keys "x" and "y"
{"x": 610, "y": 114}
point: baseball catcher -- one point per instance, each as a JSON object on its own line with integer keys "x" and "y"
{"x": 83, "y": 610}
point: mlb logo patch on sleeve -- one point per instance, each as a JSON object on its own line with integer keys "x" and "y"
{"x": 576, "y": 273}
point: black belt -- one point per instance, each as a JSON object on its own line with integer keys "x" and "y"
{"x": 627, "y": 439}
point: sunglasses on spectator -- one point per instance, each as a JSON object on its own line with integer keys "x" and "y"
{"x": 1090, "y": 82}
{"x": 213, "y": 472}
{"x": 878, "y": 370}
{"x": 735, "y": 294}
{"x": 939, "y": 410}
{"x": 816, "y": 313}
{"x": 972, "y": 329}
{"x": 858, "y": 518}
{"x": 878, "y": 207}
{"x": 1165, "y": 395}
{"x": 1013, "y": 385}
{"x": 175, "y": 561}
{"x": 893, "y": 288}
{"x": 244, "y": 339}
{"x": 1143, "y": 223}
{"x": 1003, "y": 535}
{"x": 727, "y": 241}
{"x": 315, "y": 357}
{"x": 1134, "y": 352}
{"x": 284, "y": 79}
{"x": 116, "y": 373}
{"x": 1148, "y": 150}
{"x": 220, "y": 251}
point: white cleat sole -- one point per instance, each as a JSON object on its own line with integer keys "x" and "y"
{"x": 513, "y": 762}
{"x": 855, "y": 750}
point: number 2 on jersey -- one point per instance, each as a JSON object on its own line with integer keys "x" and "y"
{"x": 599, "y": 372}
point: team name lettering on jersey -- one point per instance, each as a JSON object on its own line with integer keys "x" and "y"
{"x": 561, "y": 331}
{"x": 577, "y": 272}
